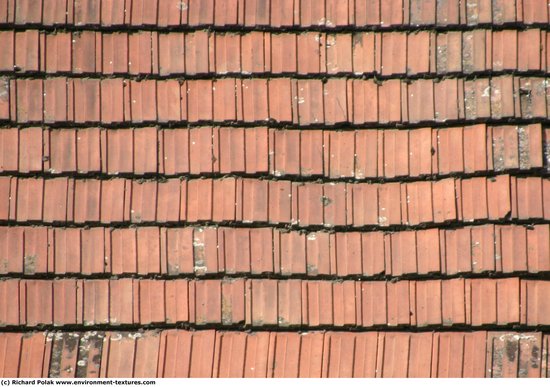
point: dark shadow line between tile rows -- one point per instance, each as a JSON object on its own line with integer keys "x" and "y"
{"x": 241, "y": 28}
{"x": 272, "y": 124}
{"x": 542, "y": 172}
{"x": 449, "y": 225}
{"x": 46, "y": 328}
{"x": 543, "y": 276}
{"x": 487, "y": 74}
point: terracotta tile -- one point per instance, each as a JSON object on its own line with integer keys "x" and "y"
{"x": 474, "y": 51}
{"x": 374, "y": 303}
{"x": 474, "y": 199}
{"x": 396, "y": 347}
{"x": 143, "y": 201}
{"x": 532, "y": 96}
{"x": 30, "y": 149}
{"x": 264, "y": 300}
{"x": 505, "y": 50}
{"x": 444, "y": 200}
{"x": 177, "y": 300}
{"x": 179, "y": 250}
{"x": 115, "y": 200}
{"x": 7, "y": 62}
{"x": 29, "y": 102}
{"x": 529, "y": 198}
{"x": 396, "y": 153}
{"x": 389, "y": 97}
{"x": 403, "y": 253}
{"x": 12, "y": 305}
{"x": 310, "y": 103}
{"x": 27, "y": 52}
{"x": 502, "y": 97}
{"x": 309, "y": 200}
{"x": 283, "y": 53}
{"x": 392, "y": 13}
{"x": 280, "y": 104}
{"x": 349, "y": 258}
{"x": 423, "y": 12}
{"x": 124, "y": 247}
{"x": 175, "y": 362}
{"x": 366, "y": 97}
{"x": 365, "y": 204}
{"x": 336, "y": 205}
{"x": 335, "y": 101}
{"x": 115, "y": 53}
{"x": 120, "y": 151}
{"x": 84, "y": 52}
{"x": 483, "y": 248}
{"x": 96, "y": 302}
{"x": 428, "y": 251}
{"x": 394, "y": 49}
{"x": 236, "y": 244}
{"x": 86, "y": 95}
{"x": 389, "y": 204}
{"x": 534, "y": 12}
{"x": 428, "y": 303}
{"x": 9, "y": 146}
{"x": 475, "y": 138}
{"x": 319, "y": 303}
{"x": 373, "y": 251}
{"x": 225, "y": 201}
{"x": 205, "y": 251}
{"x": 508, "y": 301}
{"x": 312, "y": 13}
{"x": 311, "y": 53}
{"x": 366, "y": 153}
{"x": 254, "y": 207}
{"x": 292, "y": 250}
{"x": 88, "y": 148}
{"x": 261, "y": 250}
{"x": 454, "y": 311}
{"x": 498, "y": 193}
{"x": 289, "y": 303}
{"x": 511, "y": 248}
{"x": 33, "y": 350}
{"x": 286, "y": 152}
{"x": 256, "y": 106}
{"x": 8, "y": 185}
{"x": 458, "y": 251}
{"x": 251, "y": 44}
{"x": 29, "y": 200}
{"x": 484, "y": 301}
{"x": 420, "y": 92}
{"x": 140, "y": 53}
{"x": 199, "y": 201}
{"x": 145, "y": 150}
{"x": 418, "y": 50}
{"x": 39, "y": 300}
{"x": 122, "y": 294}
{"x": 168, "y": 199}
{"x": 5, "y": 99}
{"x": 536, "y": 304}
{"x": 524, "y": 359}
{"x": 95, "y": 251}
{"x": 447, "y": 100}
{"x": 11, "y": 249}
{"x": 318, "y": 254}
{"x": 228, "y": 13}
{"x": 538, "y": 249}
{"x": 339, "y": 53}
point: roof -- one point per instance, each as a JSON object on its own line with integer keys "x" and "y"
{"x": 274, "y": 188}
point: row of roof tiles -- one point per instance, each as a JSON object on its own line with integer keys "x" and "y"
{"x": 85, "y": 201}
{"x": 271, "y": 302}
{"x": 209, "y": 353}
{"x": 359, "y": 154}
{"x": 274, "y": 13}
{"x": 202, "y": 52}
{"x": 260, "y": 251}
{"x": 285, "y": 100}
